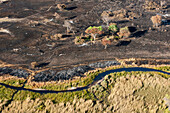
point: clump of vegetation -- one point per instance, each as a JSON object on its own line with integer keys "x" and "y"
{"x": 56, "y": 36}
{"x": 14, "y": 82}
{"x": 33, "y": 65}
{"x": 111, "y": 31}
{"x": 113, "y": 28}
{"x": 61, "y": 7}
{"x": 69, "y": 26}
{"x": 112, "y": 34}
{"x": 150, "y": 5}
{"x": 106, "y": 19}
{"x": 156, "y": 20}
{"x": 6, "y": 93}
{"x": 163, "y": 4}
{"x": 163, "y": 68}
{"x": 124, "y": 32}
{"x": 82, "y": 39}
{"x": 41, "y": 106}
{"x": 106, "y": 41}
{"x": 79, "y": 40}
{"x": 167, "y": 102}
{"x": 94, "y": 31}
{"x": 122, "y": 14}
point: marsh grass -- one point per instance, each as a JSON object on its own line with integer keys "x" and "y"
{"x": 13, "y": 82}
{"x": 6, "y": 93}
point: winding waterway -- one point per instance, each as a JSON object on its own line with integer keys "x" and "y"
{"x": 97, "y": 78}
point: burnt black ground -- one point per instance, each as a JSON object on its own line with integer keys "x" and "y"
{"x": 32, "y": 46}
{"x": 14, "y": 72}
{"x": 54, "y": 74}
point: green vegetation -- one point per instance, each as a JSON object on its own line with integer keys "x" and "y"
{"x": 167, "y": 111}
{"x": 164, "y": 68}
{"x": 82, "y": 39}
{"x": 76, "y": 83}
{"x": 14, "y": 82}
{"x": 79, "y": 40}
{"x": 41, "y": 106}
{"x": 124, "y": 32}
{"x": 167, "y": 102}
{"x": 56, "y": 98}
{"x": 94, "y": 31}
{"x": 6, "y": 93}
{"x": 113, "y": 27}
{"x": 111, "y": 34}
{"x": 94, "y": 27}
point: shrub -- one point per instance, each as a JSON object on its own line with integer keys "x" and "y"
{"x": 167, "y": 101}
{"x": 150, "y": 5}
{"x": 106, "y": 41}
{"x": 113, "y": 27}
{"x": 68, "y": 24}
{"x": 163, "y": 4}
{"x": 106, "y": 19}
{"x": 156, "y": 20}
{"x": 61, "y": 6}
{"x": 94, "y": 31}
{"x": 124, "y": 32}
{"x": 82, "y": 39}
{"x": 79, "y": 40}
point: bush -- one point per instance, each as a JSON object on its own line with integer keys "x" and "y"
{"x": 113, "y": 27}
{"x": 124, "y": 32}
{"x": 156, "y": 20}
{"x": 94, "y": 31}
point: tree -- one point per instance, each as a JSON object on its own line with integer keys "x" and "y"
{"x": 113, "y": 27}
{"x": 106, "y": 19}
{"x": 156, "y": 20}
{"x": 106, "y": 41}
{"x": 124, "y": 32}
{"x": 94, "y": 31}
{"x": 68, "y": 24}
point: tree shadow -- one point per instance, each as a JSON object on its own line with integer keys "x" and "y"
{"x": 122, "y": 21}
{"x": 42, "y": 64}
{"x": 139, "y": 33}
{"x": 166, "y": 22}
{"x": 167, "y": 6}
{"x": 72, "y": 17}
{"x": 132, "y": 29}
{"x": 123, "y": 43}
{"x": 71, "y": 8}
{"x": 65, "y": 36}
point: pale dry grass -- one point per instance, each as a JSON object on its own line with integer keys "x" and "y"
{"x": 9, "y": 77}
